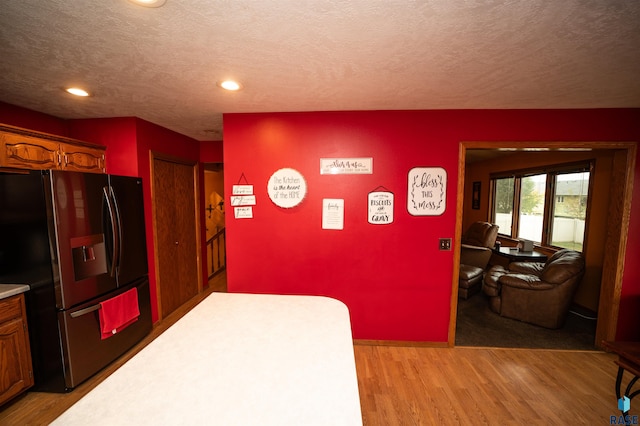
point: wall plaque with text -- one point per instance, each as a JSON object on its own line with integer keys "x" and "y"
{"x": 380, "y": 207}
{"x": 346, "y": 166}
{"x": 427, "y": 191}
{"x": 287, "y": 188}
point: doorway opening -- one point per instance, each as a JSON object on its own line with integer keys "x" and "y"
{"x": 214, "y": 207}
{"x": 615, "y": 228}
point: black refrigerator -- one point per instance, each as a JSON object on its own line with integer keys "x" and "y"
{"x": 78, "y": 241}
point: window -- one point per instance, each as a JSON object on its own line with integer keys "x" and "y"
{"x": 546, "y": 206}
{"x": 569, "y": 216}
{"x": 503, "y": 206}
{"x": 531, "y": 219}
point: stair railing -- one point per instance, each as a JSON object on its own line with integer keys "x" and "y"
{"x": 217, "y": 254}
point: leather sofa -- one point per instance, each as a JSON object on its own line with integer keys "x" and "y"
{"x": 475, "y": 252}
{"x": 537, "y": 293}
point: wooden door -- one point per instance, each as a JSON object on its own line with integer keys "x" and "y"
{"x": 176, "y": 240}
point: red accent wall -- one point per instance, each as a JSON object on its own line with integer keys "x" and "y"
{"x": 211, "y": 152}
{"x": 118, "y": 135}
{"x": 393, "y": 278}
{"x": 33, "y": 120}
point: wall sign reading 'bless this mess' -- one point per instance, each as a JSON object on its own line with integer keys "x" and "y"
{"x": 287, "y": 188}
{"x": 427, "y": 191}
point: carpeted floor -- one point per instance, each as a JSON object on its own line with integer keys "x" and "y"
{"x": 477, "y": 325}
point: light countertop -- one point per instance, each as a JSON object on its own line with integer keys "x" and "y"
{"x": 236, "y": 359}
{"x": 8, "y": 290}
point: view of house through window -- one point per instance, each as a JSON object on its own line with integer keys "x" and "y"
{"x": 549, "y": 207}
{"x": 570, "y": 210}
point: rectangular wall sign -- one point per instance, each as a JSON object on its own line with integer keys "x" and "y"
{"x": 427, "y": 191}
{"x": 346, "y": 166}
{"x": 243, "y": 200}
{"x": 242, "y": 189}
{"x": 243, "y": 212}
{"x": 380, "y": 210}
{"x": 332, "y": 213}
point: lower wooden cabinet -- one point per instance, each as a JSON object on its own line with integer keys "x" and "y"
{"x": 16, "y": 372}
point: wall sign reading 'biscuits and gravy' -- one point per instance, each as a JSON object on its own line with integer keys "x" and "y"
{"x": 427, "y": 191}
{"x": 287, "y": 188}
{"x": 380, "y": 211}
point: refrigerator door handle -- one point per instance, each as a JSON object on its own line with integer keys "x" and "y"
{"x": 118, "y": 235}
{"x": 85, "y": 311}
{"x": 114, "y": 232}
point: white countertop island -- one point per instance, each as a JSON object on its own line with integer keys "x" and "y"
{"x": 236, "y": 359}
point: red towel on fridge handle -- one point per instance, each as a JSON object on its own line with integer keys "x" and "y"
{"x": 118, "y": 313}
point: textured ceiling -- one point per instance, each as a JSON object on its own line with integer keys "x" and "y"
{"x": 316, "y": 55}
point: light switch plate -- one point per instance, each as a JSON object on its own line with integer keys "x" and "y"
{"x": 445, "y": 243}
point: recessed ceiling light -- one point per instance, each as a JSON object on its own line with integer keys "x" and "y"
{"x": 77, "y": 91}
{"x": 230, "y": 85}
{"x": 149, "y": 3}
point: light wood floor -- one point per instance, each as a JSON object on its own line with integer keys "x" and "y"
{"x": 407, "y": 385}
{"x": 485, "y": 386}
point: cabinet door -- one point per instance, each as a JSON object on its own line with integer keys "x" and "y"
{"x": 82, "y": 159}
{"x": 27, "y": 152}
{"x": 15, "y": 366}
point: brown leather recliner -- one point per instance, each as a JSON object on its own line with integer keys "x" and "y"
{"x": 475, "y": 252}
{"x": 537, "y": 293}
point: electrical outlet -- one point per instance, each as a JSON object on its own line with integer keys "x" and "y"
{"x": 445, "y": 243}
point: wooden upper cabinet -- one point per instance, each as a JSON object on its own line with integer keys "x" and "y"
{"x": 26, "y": 149}
{"x": 81, "y": 158}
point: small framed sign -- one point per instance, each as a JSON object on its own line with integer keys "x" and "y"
{"x": 243, "y": 212}
{"x": 380, "y": 207}
{"x": 243, "y": 200}
{"x": 333, "y": 213}
{"x": 475, "y": 196}
{"x": 346, "y": 166}
{"x": 242, "y": 189}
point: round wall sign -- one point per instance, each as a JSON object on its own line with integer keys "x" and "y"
{"x": 287, "y": 188}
